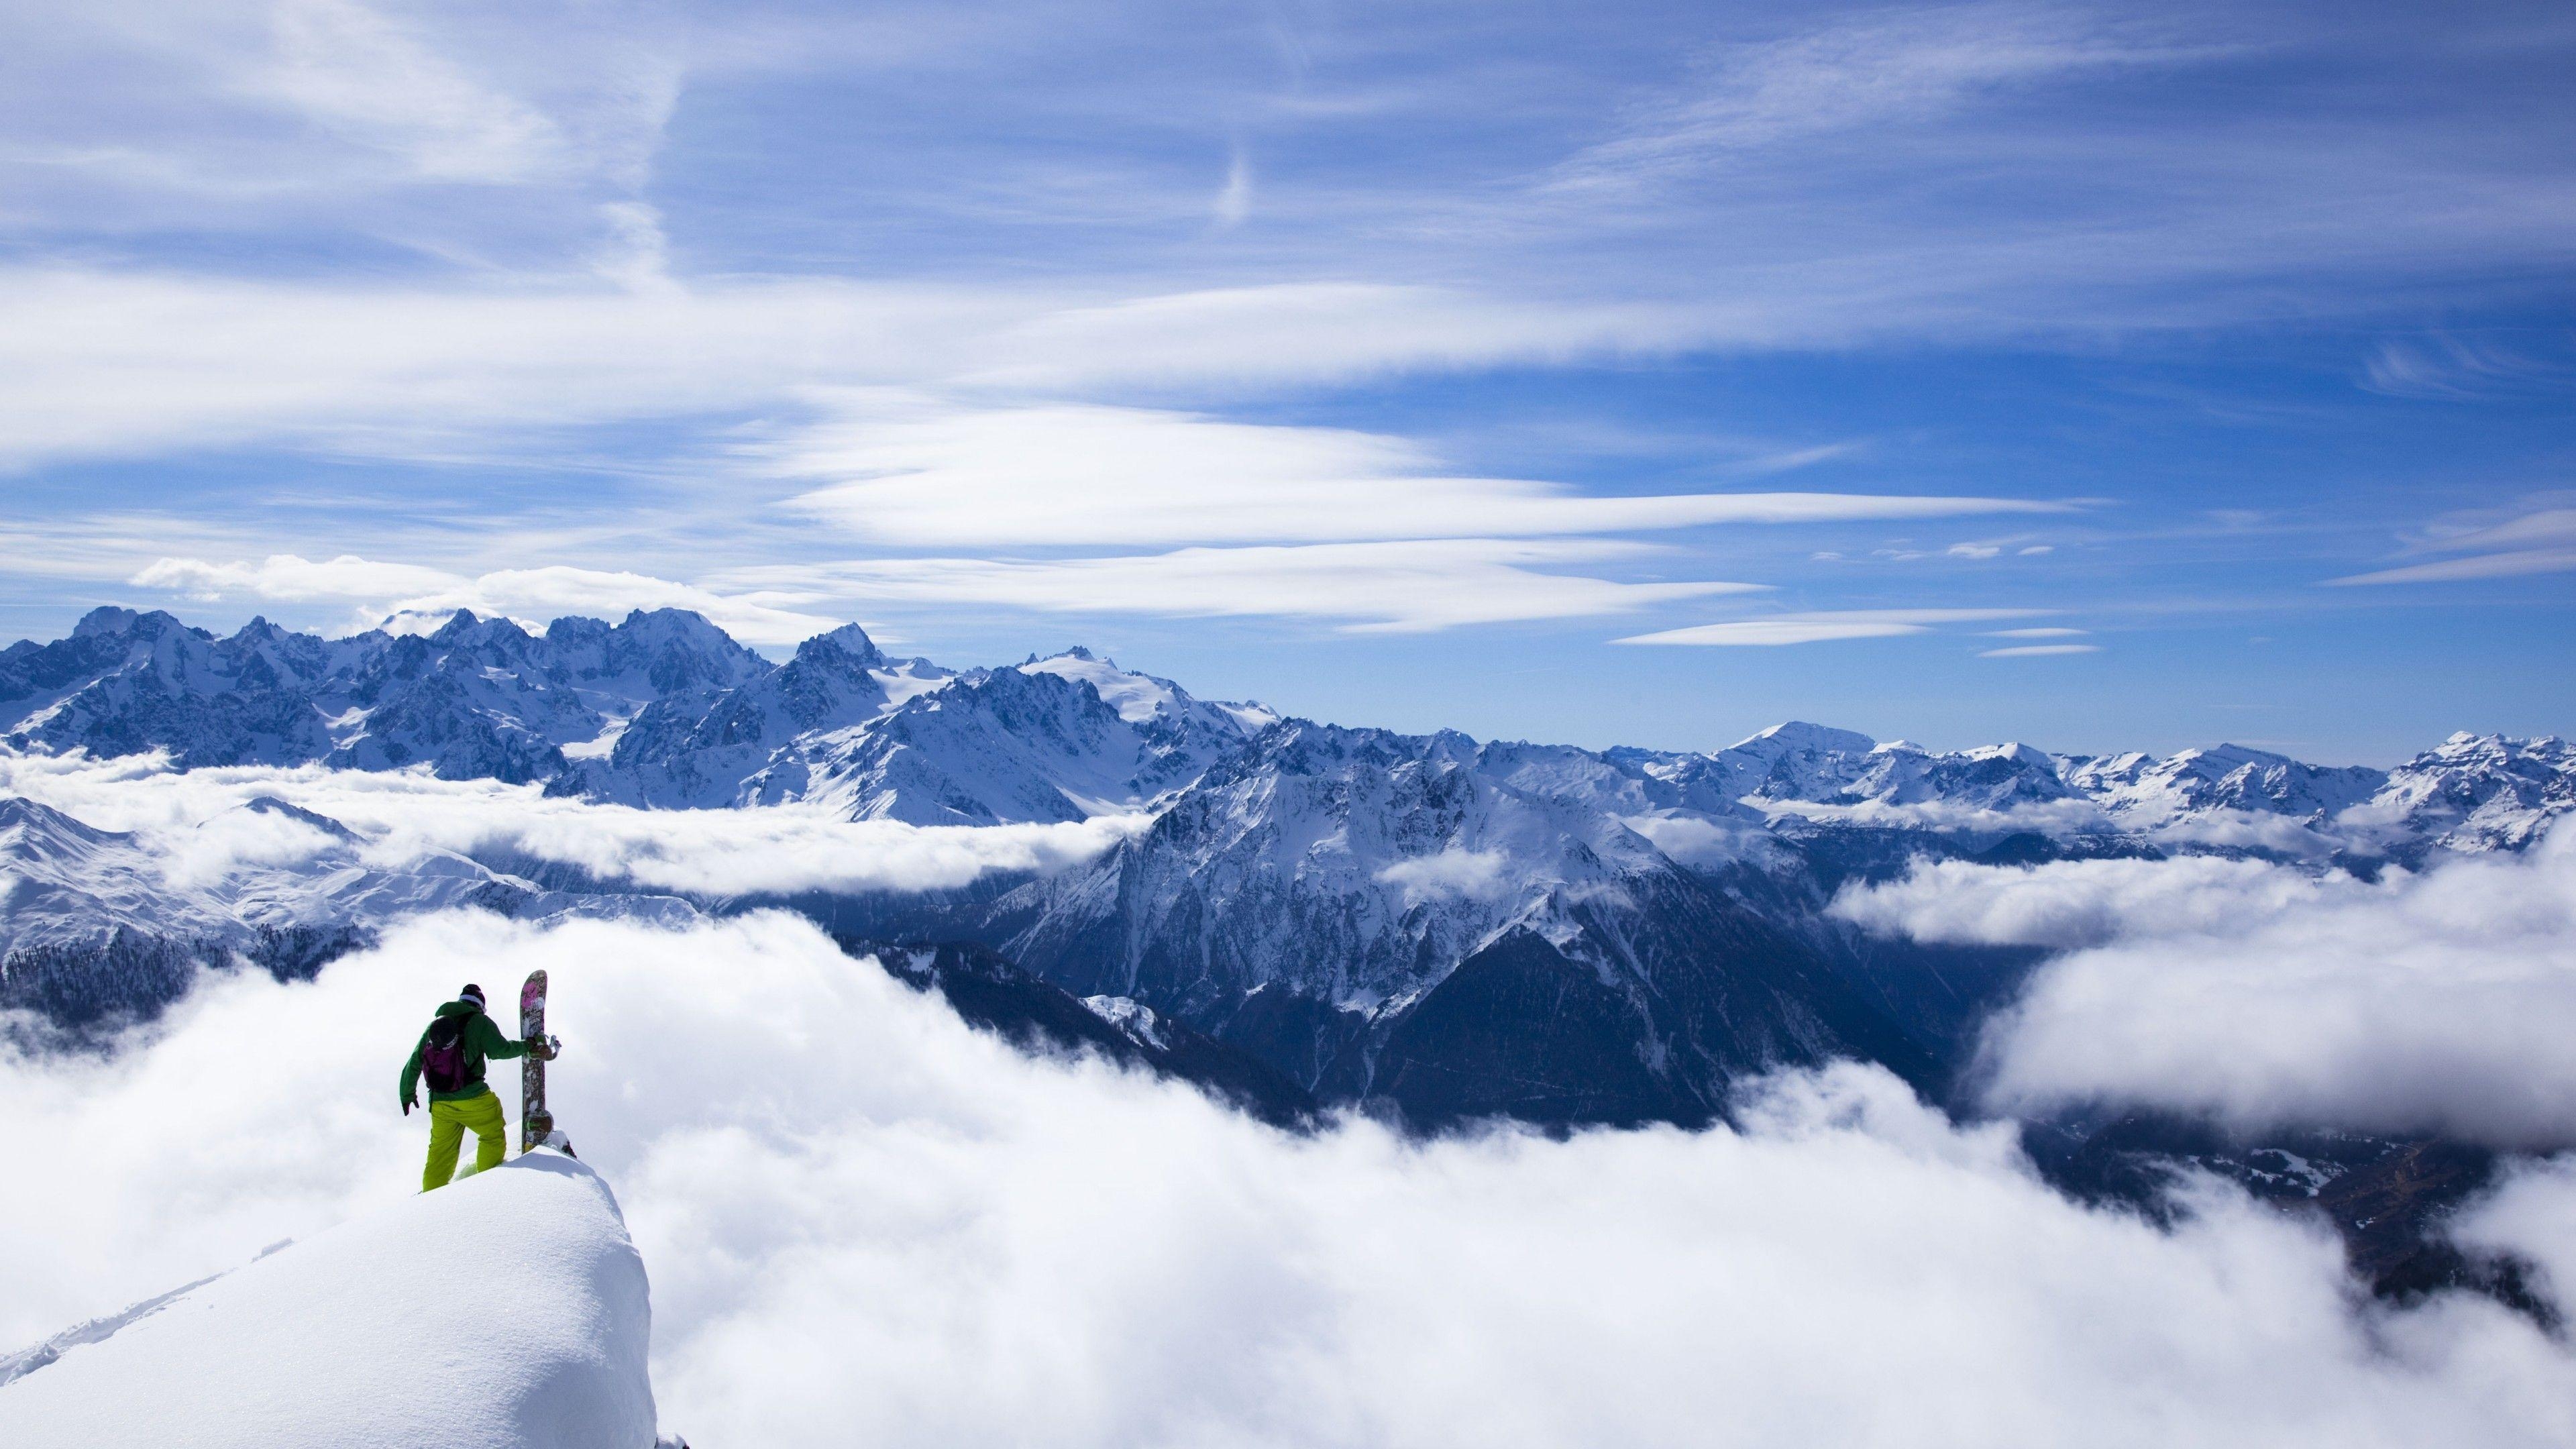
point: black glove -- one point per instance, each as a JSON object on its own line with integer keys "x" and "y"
{"x": 407, "y": 1106}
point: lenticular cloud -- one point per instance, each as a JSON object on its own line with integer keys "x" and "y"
{"x": 867, "y": 1224}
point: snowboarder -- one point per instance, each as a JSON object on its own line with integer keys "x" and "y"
{"x": 451, "y": 1053}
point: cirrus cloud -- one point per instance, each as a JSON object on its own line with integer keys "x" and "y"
{"x": 1822, "y": 627}
{"x": 1393, "y": 586}
{"x": 930, "y": 473}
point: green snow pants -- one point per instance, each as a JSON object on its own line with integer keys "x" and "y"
{"x": 447, "y": 1124}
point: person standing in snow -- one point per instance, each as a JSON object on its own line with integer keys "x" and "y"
{"x": 451, "y": 1053}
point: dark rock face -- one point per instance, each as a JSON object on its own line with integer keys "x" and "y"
{"x": 84, "y": 993}
{"x": 992, "y": 994}
{"x": 1429, "y": 926}
{"x": 2390, "y": 1212}
{"x": 84, "y": 988}
{"x": 1519, "y": 1031}
{"x": 2389, "y": 1199}
{"x": 1654, "y": 1011}
{"x": 1299, "y": 1036}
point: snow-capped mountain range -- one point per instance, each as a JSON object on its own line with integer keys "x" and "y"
{"x": 1453, "y": 926}
{"x": 665, "y": 710}
{"x": 477, "y": 699}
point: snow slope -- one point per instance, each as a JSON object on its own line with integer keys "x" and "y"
{"x": 870, "y": 738}
{"x": 509, "y": 1309}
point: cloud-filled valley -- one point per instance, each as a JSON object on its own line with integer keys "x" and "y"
{"x": 2264, "y": 995}
{"x": 864, "y": 1220}
{"x": 196, "y": 826}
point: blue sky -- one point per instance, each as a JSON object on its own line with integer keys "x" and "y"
{"x": 2100, "y": 377}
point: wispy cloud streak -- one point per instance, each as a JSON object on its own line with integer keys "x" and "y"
{"x": 1822, "y": 627}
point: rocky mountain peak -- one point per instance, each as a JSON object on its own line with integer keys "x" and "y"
{"x": 849, "y": 644}
{"x": 109, "y": 621}
{"x": 1799, "y": 735}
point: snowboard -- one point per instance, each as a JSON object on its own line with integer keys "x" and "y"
{"x": 536, "y": 1124}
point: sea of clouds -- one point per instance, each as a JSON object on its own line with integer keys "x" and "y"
{"x": 2261, "y": 995}
{"x": 194, "y": 822}
{"x": 868, "y": 1224}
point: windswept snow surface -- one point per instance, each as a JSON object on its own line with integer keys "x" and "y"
{"x": 506, "y": 1311}
{"x": 1136, "y": 697}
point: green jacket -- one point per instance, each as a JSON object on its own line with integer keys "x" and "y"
{"x": 482, "y": 1039}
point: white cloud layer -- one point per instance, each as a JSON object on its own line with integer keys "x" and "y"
{"x": 2529, "y": 1215}
{"x": 289, "y": 577}
{"x": 403, "y": 815}
{"x": 924, "y": 472}
{"x": 1450, "y": 874}
{"x": 2260, "y": 995}
{"x": 2476, "y": 566}
{"x": 1397, "y": 586}
{"x": 2069, "y": 904}
{"x": 2048, "y": 817}
{"x": 533, "y": 596}
{"x": 866, "y": 1224}
{"x": 899, "y": 417}
{"x": 359, "y": 73}
{"x": 2540, "y": 542}
{"x": 136, "y": 364}
{"x": 1860, "y": 73}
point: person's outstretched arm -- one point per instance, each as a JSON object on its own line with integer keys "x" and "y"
{"x": 496, "y": 1046}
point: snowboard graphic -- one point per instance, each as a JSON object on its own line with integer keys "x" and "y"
{"x": 536, "y": 1124}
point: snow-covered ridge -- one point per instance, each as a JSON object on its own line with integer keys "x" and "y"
{"x": 1133, "y": 1018}
{"x": 509, "y": 1309}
